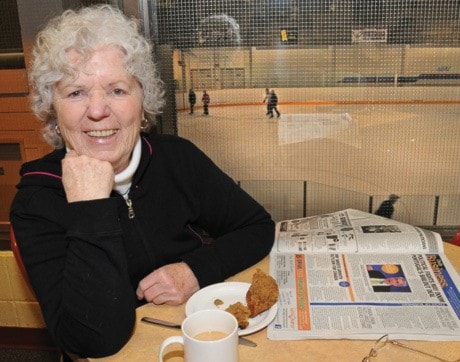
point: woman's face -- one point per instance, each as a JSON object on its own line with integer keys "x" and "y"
{"x": 100, "y": 111}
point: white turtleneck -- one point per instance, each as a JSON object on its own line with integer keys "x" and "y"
{"x": 122, "y": 183}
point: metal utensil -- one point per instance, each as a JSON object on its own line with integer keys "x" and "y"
{"x": 159, "y": 322}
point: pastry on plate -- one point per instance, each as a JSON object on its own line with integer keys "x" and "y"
{"x": 241, "y": 313}
{"x": 262, "y": 294}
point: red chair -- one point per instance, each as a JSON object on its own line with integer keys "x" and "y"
{"x": 456, "y": 239}
{"x": 18, "y": 257}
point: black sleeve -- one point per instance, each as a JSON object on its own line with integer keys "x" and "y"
{"x": 242, "y": 229}
{"x": 75, "y": 259}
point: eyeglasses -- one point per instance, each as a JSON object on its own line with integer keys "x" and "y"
{"x": 382, "y": 342}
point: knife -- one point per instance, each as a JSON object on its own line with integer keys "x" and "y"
{"x": 159, "y": 322}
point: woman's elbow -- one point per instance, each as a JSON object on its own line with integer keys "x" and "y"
{"x": 105, "y": 341}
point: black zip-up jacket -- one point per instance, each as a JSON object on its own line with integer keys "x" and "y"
{"x": 85, "y": 259}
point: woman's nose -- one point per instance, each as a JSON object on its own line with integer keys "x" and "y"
{"x": 98, "y": 107}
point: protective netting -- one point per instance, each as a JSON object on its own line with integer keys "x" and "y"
{"x": 367, "y": 93}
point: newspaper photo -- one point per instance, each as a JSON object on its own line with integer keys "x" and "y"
{"x": 355, "y": 275}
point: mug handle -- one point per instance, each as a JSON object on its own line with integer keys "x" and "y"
{"x": 168, "y": 341}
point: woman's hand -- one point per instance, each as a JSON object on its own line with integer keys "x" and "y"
{"x": 86, "y": 178}
{"x": 171, "y": 284}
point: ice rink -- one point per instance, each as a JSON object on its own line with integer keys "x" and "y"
{"x": 408, "y": 149}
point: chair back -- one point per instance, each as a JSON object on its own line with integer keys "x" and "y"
{"x": 18, "y": 257}
{"x": 456, "y": 239}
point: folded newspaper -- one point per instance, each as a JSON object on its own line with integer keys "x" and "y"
{"x": 355, "y": 275}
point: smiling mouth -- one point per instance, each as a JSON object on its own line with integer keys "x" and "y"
{"x": 103, "y": 133}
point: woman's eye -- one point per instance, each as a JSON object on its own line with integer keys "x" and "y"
{"x": 118, "y": 91}
{"x": 75, "y": 94}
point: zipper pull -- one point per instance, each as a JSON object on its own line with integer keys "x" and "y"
{"x": 129, "y": 203}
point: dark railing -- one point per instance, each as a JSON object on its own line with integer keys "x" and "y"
{"x": 293, "y": 199}
{"x": 12, "y": 60}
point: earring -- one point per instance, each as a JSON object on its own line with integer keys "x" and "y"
{"x": 144, "y": 125}
{"x": 57, "y": 129}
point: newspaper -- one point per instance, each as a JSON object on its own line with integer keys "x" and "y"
{"x": 355, "y": 275}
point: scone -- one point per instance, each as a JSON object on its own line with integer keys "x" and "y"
{"x": 262, "y": 294}
{"x": 241, "y": 313}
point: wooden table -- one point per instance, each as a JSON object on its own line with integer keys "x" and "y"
{"x": 145, "y": 343}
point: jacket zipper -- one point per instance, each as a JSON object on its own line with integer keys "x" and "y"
{"x": 129, "y": 203}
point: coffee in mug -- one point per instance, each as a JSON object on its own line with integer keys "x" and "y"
{"x": 210, "y": 336}
{"x": 207, "y": 336}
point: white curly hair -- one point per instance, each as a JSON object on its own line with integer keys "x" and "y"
{"x": 86, "y": 30}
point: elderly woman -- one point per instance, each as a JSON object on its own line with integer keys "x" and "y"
{"x": 113, "y": 217}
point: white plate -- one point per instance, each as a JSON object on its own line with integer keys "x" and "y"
{"x": 229, "y": 293}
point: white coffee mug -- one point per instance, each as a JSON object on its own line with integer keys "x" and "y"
{"x": 207, "y": 336}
